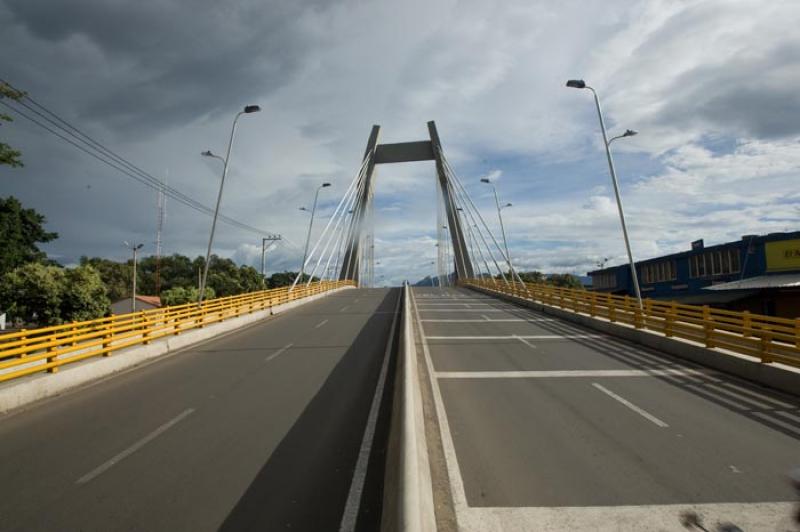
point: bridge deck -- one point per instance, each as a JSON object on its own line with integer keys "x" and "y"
{"x": 258, "y": 430}
{"x": 549, "y": 426}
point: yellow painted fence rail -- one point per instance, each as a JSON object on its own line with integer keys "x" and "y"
{"x": 48, "y": 348}
{"x": 766, "y": 338}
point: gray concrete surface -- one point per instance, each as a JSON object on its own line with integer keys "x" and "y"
{"x": 259, "y": 430}
{"x": 20, "y": 392}
{"x": 541, "y": 413}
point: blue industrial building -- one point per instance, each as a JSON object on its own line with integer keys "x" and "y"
{"x": 759, "y": 273}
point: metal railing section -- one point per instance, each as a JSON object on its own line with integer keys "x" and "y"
{"x": 47, "y": 348}
{"x": 766, "y": 338}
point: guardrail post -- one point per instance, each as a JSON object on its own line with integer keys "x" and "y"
{"x": 74, "y": 329}
{"x": 708, "y": 326}
{"x": 107, "y": 339}
{"x": 23, "y": 343}
{"x": 612, "y": 309}
{"x": 747, "y": 324}
{"x": 592, "y": 304}
{"x": 797, "y": 333}
{"x": 764, "y": 347}
{"x": 51, "y": 360}
{"x": 638, "y": 318}
{"x": 672, "y": 314}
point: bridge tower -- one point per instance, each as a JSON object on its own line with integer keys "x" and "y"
{"x": 423, "y": 150}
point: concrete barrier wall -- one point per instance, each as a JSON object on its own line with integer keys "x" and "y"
{"x": 777, "y": 376}
{"x": 17, "y": 393}
{"x": 408, "y": 493}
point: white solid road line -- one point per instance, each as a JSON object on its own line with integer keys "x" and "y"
{"x": 524, "y": 341}
{"x": 320, "y": 324}
{"x": 645, "y": 414}
{"x": 462, "y": 310}
{"x": 451, "y": 460}
{"x": 517, "y": 337}
{"x": 278, "y": 352}
{"x": 350, "y": 515}
{"x": 488, "y": 319}
{"x": 572, "y": 373}
{"x": 133, "y": 448}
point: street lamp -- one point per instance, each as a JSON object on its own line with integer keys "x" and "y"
{"x": 502, "y": 227}
{"x": 135, "y": 248}
{"x": 580, "y": 84}
{"x": 310, "y": 224}
{"x": 225, "y": 161}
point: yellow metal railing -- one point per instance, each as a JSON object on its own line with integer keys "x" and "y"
{"x": 48, "y": 348}
{"x": 766, "y": 338}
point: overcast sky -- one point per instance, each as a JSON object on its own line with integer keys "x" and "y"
{"x": 712, "y": 87}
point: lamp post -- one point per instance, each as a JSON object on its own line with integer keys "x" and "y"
{"x": 580, "y": 84}
{"x": 502, "y": 226}
{"x": 310, "y": 224}
{"x": 225, "y": 161}
{"x": 135, "y": 248}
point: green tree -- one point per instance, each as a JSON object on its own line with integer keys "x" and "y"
{"x": 33, "y": 293}
{"x": 116, "y": 276}
{"x": 84, "y": 295}
{"x": 179, "y": 295}
{"x": 9, "y": 155}
{"x": 48, "y": 295}
{"x": 20, "y": 230}
{"x": 532, "y": 277}
{"x": 565, "y": 280}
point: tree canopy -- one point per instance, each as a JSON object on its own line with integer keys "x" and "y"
{"x": 50, "y": 295}
{"x": 8, "y": 155}
{"x": 20, "y": 230}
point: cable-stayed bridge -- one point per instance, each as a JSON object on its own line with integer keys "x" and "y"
{"x": 490, "y": 404}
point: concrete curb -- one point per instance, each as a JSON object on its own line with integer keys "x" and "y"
{"x": 408, "y": 503}
{"x": 18, "y": 393}
{"x": 776, "y": 376}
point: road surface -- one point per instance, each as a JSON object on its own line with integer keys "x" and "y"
{"x": 546, "y": 425}
{"x": 258, "y": 430}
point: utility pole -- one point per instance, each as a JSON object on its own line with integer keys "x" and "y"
{"x": 135, "y": 248}
{"x": 270, "y": 238}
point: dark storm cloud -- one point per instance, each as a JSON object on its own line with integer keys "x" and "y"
{"x": 155, "y": 63}
{"x": 753, "y": 95}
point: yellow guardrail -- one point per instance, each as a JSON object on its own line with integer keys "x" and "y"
{"x": 766, "y": 338}
{"x": 47, "y": 348}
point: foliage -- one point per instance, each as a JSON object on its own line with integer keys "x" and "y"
{"x": 116, "y": 276}
{"x": 83, "y": 295}
{"x": 20, "y": 230}
{"x": 179, "y": 295}
{"x": 49, "y": 295}
{"x": 280, "y": 279}
{"x": 9, "y": 155}
{"x": 565, "y": 280}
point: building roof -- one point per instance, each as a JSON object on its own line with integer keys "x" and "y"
{"x": 746, "y": 240}
{"x": 150, "y": 300}
{"x": 782, "y": 280}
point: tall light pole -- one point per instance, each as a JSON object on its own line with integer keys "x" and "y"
{"x": 264, "y": 240}
{"x": 310, "y": 225}
{"x": 580, "y": 84}
{"x": 135, "y": 248}
{"x": 502, "y": 227}
{"x": 247, "y": 110}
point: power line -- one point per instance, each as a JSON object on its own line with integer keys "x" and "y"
{"x": 90, "y": 146}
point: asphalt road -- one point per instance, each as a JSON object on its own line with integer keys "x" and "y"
{"x": 540, "y": 414}
{"x": 258, "y": 430}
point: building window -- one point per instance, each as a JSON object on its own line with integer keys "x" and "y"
{"x": 659, "y": 272}
{"x": 720, "y": 262}
{"x": 604, "y": 280}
